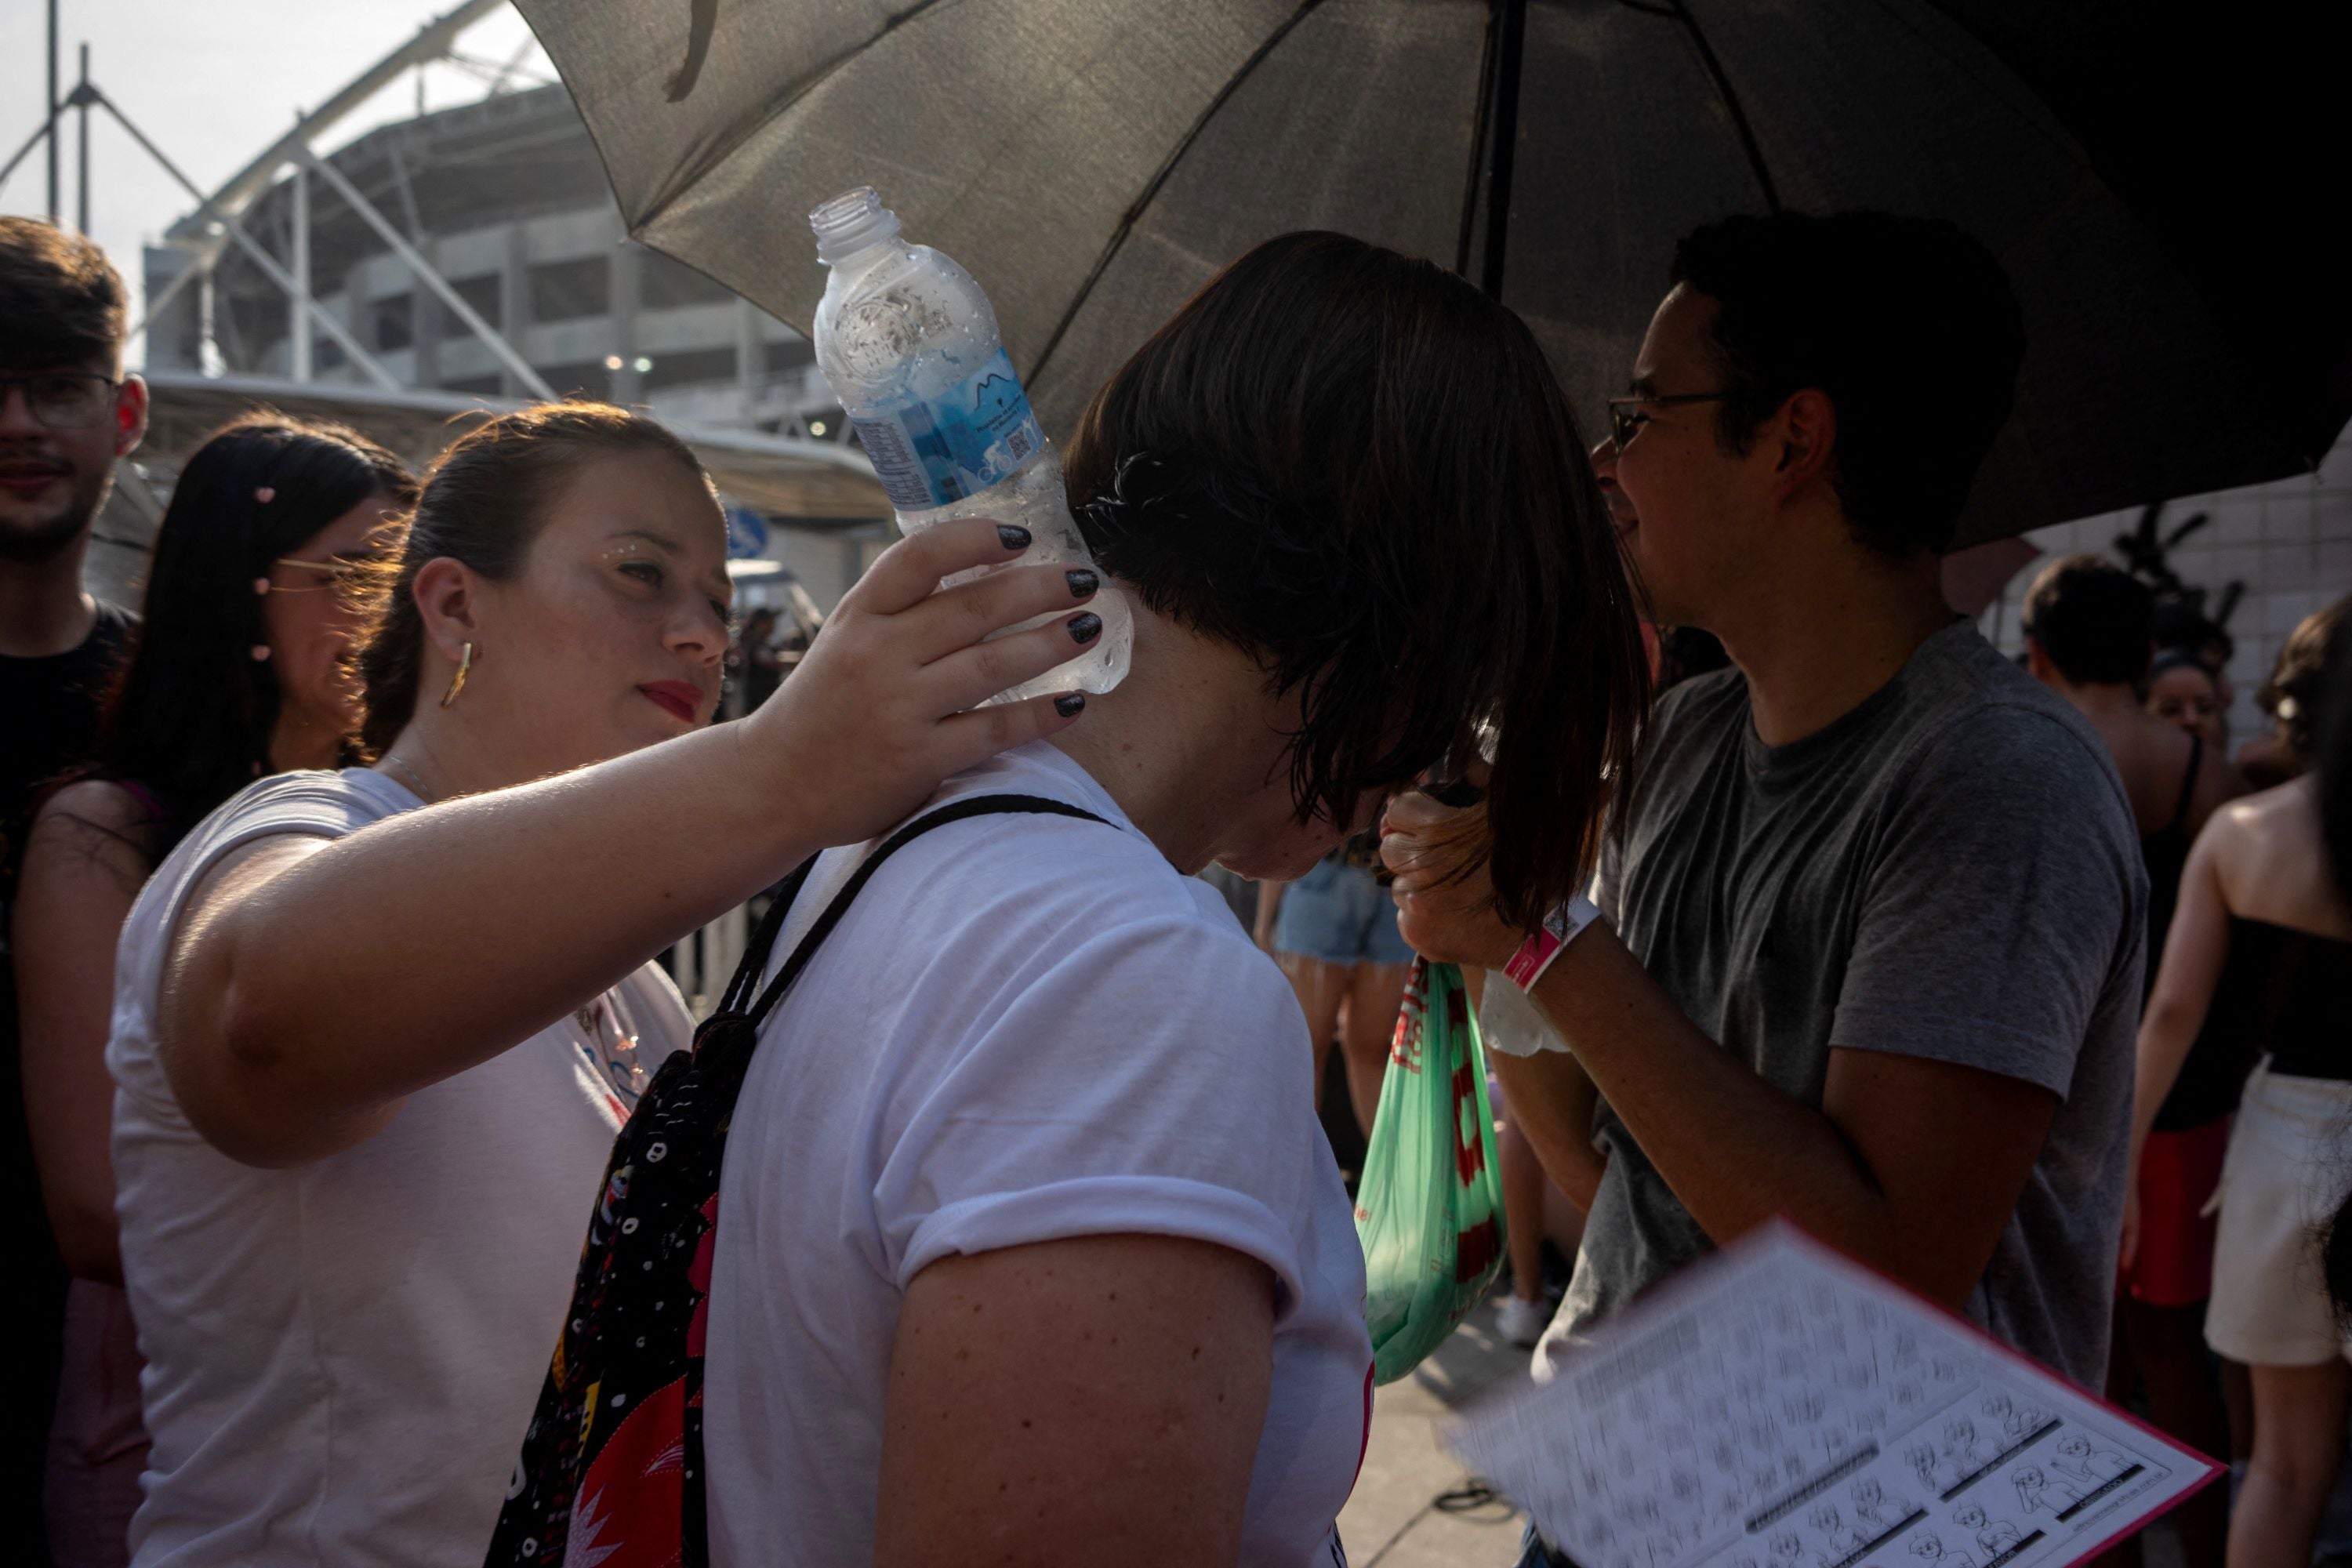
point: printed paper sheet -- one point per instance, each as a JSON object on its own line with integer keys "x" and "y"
{"x": 1779, "y": 1406}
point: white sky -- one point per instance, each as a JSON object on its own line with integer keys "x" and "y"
{"x": 211, "y": 82}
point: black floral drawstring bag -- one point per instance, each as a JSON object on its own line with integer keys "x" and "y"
{"x": 611, "y": 1469}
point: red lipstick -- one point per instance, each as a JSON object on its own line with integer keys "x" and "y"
{"x": 675, "y": 697}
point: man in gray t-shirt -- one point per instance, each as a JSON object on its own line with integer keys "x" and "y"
{"x": 1934, "y": 874}
{"x": 1871, "y": 928}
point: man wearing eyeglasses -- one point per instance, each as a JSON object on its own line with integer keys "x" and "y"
{"x": 1867, "y": 949}
{"x": 67, "y": 412}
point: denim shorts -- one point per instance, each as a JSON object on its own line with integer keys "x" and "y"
{"x": 1338, "y": 913}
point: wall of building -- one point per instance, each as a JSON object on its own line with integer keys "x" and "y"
{"x": 2289, "y": 543}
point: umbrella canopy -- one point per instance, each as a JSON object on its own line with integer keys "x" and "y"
{"x": 2152, "y": 189}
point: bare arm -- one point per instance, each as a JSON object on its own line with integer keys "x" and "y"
{"x": 312, "y": 985}
{"x": 2195, "y": 950}
{"x": 1097, "y": 1400}
{"x": 1552, "y": 1101}
{"x": 1269, "y": 904}
{"x": 84, "y": 863}
{"x": 1870, "y": 1170}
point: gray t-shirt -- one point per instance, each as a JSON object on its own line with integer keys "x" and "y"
{"x": 1950, "y": 871}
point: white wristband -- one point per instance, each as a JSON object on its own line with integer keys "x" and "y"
{"x": 1563, "y": 926}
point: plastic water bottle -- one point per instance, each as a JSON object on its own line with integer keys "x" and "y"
{"x": 909, "y": 346}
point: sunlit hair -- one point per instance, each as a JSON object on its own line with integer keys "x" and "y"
{"x": 191, "y": 715}
{"x": 483, "y": 503}
{"x": 2293, "y": 694}
{"x": 1359, "y": 471}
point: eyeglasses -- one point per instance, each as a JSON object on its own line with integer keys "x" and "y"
{"x": 65, "y": 400}
{"x": 329, "y": 569}
{"x": 1626, "y": 418}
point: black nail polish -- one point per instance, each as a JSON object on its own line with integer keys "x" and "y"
{"x": 1085, "y": 628}
{"x": 1082, "y": 583}
{"x": 1013, "y": 536}
{"x": 1071, "y": 705}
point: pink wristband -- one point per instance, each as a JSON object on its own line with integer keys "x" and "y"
{"x": 1560, "y": 928}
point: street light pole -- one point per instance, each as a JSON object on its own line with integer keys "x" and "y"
{"x": 53, "y": 111}
{"x": 81, "y": 149}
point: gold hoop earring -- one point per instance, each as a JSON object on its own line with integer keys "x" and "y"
{"x": 465, "y": 665}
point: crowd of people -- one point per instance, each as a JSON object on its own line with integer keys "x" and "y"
{"x": 334, "y": 883}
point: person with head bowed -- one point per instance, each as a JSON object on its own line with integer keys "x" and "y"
{"x": 374, "y": 1028}
{"x": 1031, "y": 1249}
{"x": 236, "y": 670}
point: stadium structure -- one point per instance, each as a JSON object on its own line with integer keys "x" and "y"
{"x": 431, "y": 270}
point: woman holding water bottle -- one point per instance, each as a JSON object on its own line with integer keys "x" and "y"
{"x": 374, "y": 1028}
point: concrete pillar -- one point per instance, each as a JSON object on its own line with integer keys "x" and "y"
{"x": 514, "y": 308}
{"x": 749, "y": 356}
{"x": 302, "y": 327}
{"x": 627, "y": 272}
{"x": 428, "y": 318}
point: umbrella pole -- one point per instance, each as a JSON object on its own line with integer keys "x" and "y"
{"x": 1493, "y": 141}
{"x": 1511, "y": 32}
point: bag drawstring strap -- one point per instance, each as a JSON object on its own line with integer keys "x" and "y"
{"x": 755, "y": 957}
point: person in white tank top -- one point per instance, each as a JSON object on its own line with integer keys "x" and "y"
{"x": 374, "y": 1030}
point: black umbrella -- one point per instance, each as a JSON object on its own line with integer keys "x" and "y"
{"x": 2160, "y": 194}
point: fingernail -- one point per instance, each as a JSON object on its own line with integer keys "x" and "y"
{"x": 1071, "y": 706}
{"x": 1012, "y": 535}
{"x": 1082, "y": 584}
{"x": 1085, "y": 628}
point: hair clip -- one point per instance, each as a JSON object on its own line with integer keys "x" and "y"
{"x": 261, "y": 585}
{"x": 261, "y": 653}
{"x": 265, "y": 495}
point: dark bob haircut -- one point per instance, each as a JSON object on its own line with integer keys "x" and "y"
{"x": 2095, "y": 620}
{"x": 482, "y": 503}
{"x": 1359, "y": 471}
{"x": 1909, "y": 327}
{"x": 62, "y": 301}
{"x": 192, "y": 713}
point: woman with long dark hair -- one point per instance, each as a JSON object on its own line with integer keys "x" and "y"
{"x": 2263, "y": 940}
{"x": 375, "y": 1028}
{"x": 235, "y": 671}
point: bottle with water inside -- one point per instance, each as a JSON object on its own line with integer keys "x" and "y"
{"x": 909, "y": 346}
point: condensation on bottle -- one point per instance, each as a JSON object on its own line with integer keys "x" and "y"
{"x": 910, "y": 347}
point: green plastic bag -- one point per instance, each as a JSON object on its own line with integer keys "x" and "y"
{"x": 1429, "y": 1209}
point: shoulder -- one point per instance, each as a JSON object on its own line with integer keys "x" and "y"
{"x": 1984, "y": 727}
{"x": 92, "y": 834}
{"x": 97, "y": 805}
{"x": 2264, "y": 829}
{"x": 318, "y": 802}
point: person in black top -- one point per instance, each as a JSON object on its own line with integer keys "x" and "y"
{"x": 2262, "y": 938}
{"x": 2089, "y": 628}
{"x": 67, "y": 412}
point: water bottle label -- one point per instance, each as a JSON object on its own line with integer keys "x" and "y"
{"x": 935, "y": 451}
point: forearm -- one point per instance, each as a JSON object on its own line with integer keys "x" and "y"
{"x": 1735, "y": 1151}
{"x": 425, "y": 945}
{"x": 1552, "y": 1103}
{"x": 2166, "y": 1036}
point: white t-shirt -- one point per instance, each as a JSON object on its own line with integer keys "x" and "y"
{"x": 341, "y": 1357}
{"x": 1026, "y": 1028}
